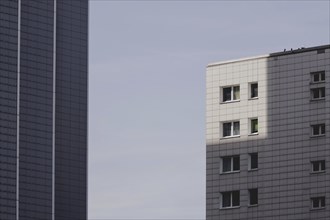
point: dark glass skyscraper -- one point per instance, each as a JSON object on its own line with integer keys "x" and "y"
{"x": 43, "y": 109}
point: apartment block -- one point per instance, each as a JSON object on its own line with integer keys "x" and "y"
{"x": 268, "y": 136}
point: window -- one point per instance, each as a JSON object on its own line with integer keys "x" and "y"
{"x": 253, "y": 90}
{"x": 318, "y": 166}
{"x": 318, "y": 202}
{"x": 318, "y": 130}
{"x": 230, "y": 129}
{"x": 230, "y": 199}
{"x": 318, "y": 93}
{"x": 318, "y": 76}
{"x": 253, "y": 196}
{"x": 253, "y": 126}
{"x": 230, "y": 93}
{"x": 230, "y": 164}
{"x": 253, "y": 161}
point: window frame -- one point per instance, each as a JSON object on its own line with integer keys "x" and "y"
{"x": 255, "y": 190}
{"x": 250, "y": 126}
{"x": 320, "y": 74}
{"x": 321, "y": 164}
{"x": 232, "y": 129}
{"x": 321, "y": 127}
{"x": 232, "y": 164}
{"x": 320, "y": 91}
{"x": 250, "y": 161}
{"x": 222, "y": 96}
{"x": 231, "y": 194}
{"x": 320, "y": 200}
{"x": 250, "y": 90}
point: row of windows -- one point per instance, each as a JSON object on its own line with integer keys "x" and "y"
{"x": 232, "y": 128}
{"x": 232, "y": 93}
{"x": 231, "y": 199}
{"x": 231, "y": 164}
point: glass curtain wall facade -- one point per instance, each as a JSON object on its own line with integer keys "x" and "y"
{"x": 43, "y": 109}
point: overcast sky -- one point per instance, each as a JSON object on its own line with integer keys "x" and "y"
{"x": 147, "y": 93}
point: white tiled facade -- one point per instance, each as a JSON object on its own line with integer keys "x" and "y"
{"x": 288, "y": 188}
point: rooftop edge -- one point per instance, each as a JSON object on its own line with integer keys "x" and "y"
{"x": 276, "y": 54}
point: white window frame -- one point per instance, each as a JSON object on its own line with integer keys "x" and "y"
{"x": 250, "y": 90}
{"x": 231, "y": 164}
{"x": 320, "y": 90}
{"x": 231, "y": 93}
{"x": 250, "y": 126}
{"x": 319, "y": 201}
{"x": 231, "y": 200}
{"x": 319, "y": 73}
{"x": 231, "y": 129}
{"x": 250, "y": 161}
{"x": 319, "y": 126}
{"x": 319, "y": 162}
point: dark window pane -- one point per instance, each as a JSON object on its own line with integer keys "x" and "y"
{"x": 315, "y": 130}
{"x": 322, "y": 92}
{"x": 226, "y": 94}
{"x": 322, "y": 128}
{"x": 316, "y": 78}
{"x": 253, "y": 193}
{"x": 323, "y": 76}
{"x": 315, "y": 202}
{"x": 315, "y": 93}
{"x": 254, "y": 160}
{"x": 226, "y": 164}
{"x": 254, "y": 90}
{"x": 226, "y": 129}
{"x": 323, "y": 165}
{"x": 236, "y": 163}
{"x": 316, "y": 166}
{"x": 322, "y": 201}
{"x": 254, "y": 126}
{"x": 235, "y": 195}
{"x": 226, "y": 199}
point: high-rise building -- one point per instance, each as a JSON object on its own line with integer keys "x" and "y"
{"x": 43, "y": 109}
{"x": 268, "y": 137}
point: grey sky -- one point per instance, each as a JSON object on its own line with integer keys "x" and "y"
{"x": 146, "y": 93}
